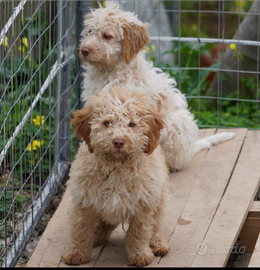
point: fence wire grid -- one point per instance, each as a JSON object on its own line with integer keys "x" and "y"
{"x": 36, "y": 81}
{"x": 211, "y": 48}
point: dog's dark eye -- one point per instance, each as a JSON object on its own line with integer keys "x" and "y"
{"x": 105, "y": 36}
{"x": 107, "y": 123}
{"x": 131, "y": 124}
{"x": 89, "y": 31}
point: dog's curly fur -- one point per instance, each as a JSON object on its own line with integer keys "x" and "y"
{"x": 112, "y": 55}
{"x": 119, "y": 175}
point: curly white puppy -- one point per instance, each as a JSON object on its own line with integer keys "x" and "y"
{"x": 111, "y": 51}
{"x": 119, "y": 175}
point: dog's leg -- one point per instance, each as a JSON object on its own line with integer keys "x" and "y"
{"x": 138, "y": 239}
{"x": 102, "y": 232}
{"x": 82, "y": 223}
{"x": 177, "y": 139}
{"x": 159, "y": 245}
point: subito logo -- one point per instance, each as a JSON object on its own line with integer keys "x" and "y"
{"x": 201, "y": 249}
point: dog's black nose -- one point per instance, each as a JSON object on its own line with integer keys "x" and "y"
{"x": 85, "y": 51}
{"x": 118, "y": 143}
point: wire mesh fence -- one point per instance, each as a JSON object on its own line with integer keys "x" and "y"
{"x": 35, "y": 105}
{"x": 211, "y": 48}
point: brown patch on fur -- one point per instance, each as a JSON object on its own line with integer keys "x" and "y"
{"x": 155, "y": 124}
{"x": 135, "y": 37}
{"x": 81, "y": 121}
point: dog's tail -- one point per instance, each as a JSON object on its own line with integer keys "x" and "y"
{"x": 213, "y": 139}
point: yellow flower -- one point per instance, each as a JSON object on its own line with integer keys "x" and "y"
{"x": 20, "y": 49}
{"x": 236, "y": 52}
{"x": 34, "y": 145}
{"x": 38, "y": 120}
{"x": 233, "y": 47}
{"x": 25, "y": 44}
{"x": 153, "y": 47}
{"x": 147, "y": 49}
{"x": 5, "y": 42}
{"x": 116, "y": 5}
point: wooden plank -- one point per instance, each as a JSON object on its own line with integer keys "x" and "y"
{"x": 249, "y": 233}
{"x": 234, "y": 206}
{"x": 203, "y": 201}
{"x": 254, "y": 210}
{"x": 251, "y": 227}
{"x": 180, "y": 186}
{"x": 255, "y": 258}
{"x": 52, "y": 243}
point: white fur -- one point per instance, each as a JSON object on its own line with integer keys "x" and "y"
{"x": 213, "y": 139}
{"x": 106, "y": 67}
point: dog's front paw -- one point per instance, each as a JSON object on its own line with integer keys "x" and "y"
{"x": 160, "y": 246}
{"x": 75, "y": 258}
{"x": 142, "y": 259}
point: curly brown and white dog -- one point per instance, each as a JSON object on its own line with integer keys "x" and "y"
{"x": 119, "y": 175}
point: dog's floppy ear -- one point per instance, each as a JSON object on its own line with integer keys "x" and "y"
{"x": 135, "y": 37}
{"x": 156, "y": 124}
{"x": 81, "y": 119}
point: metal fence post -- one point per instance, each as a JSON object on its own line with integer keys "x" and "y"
{"x": 63, "y": 95}
{"x": 82, "y": 7}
